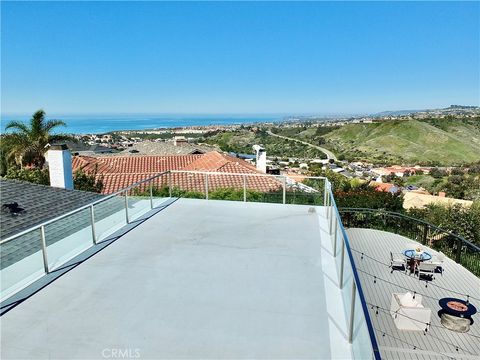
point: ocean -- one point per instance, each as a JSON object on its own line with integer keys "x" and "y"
{"x": 97, "y": 124}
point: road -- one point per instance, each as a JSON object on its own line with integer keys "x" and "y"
{"x": 330, "y": 155}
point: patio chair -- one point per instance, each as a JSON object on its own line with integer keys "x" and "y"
{"x": 408, "y": 313}
{"x": 438, "y": 260}
{"x": 397, "y": 262}
{"x": 426, "y": 269}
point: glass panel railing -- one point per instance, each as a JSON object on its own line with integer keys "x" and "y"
{"x": 361, "y": 344}
{"x": 359, "y": 326}
{"x": 244, "y": 187}
{"x": 187, "y": 185}
{"x": 138, "y": 201}
{"x": 109, "y": 216}
{"x": 160, "y": 192}
{"x": 21, "y": 262}
{"x": 68, "y": 237}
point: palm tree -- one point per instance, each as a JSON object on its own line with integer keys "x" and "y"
{"x": 26, "y": 144}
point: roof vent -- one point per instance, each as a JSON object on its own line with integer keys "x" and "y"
{"x": 12, "y": 208}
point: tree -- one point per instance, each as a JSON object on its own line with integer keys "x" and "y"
{"x": 36, "y": 176}
{"x": 87, "y": 181}
{"x": 81, "y": 179}
{"x": 26, "y": 144}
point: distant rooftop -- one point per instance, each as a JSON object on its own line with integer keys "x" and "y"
{"x": 163, "y": 148}
{"x": 40, "y": 203}
{"x": 118, "y": 172}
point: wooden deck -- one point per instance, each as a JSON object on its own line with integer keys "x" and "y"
{"x": 379, "y": 283}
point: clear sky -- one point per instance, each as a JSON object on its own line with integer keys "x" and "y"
{"x": 153, "y": 57}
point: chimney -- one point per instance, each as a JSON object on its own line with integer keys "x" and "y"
{"x": 261, "y": 158}
{"x": 60, "y": 166}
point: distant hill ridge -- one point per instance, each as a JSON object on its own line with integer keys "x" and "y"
{"x": 436, "y": 142}
{"x": 436, "y": 111}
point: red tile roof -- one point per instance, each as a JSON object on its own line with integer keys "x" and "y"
{"x": 382, "y": 186}
{"x": 119, "y": 172}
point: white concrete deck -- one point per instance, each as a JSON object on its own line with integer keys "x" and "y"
{"x": 200, "y": 279}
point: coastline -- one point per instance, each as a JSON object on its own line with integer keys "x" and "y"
{"x": 102, "y": 124}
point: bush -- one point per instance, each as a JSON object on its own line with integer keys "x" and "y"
{"x": 457, "y": 219}
{"x": 368, "y": 197}
{"x": 36, "y": 176}
{"x": 87, "y": 181}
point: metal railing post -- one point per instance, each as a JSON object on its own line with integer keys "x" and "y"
{"x": 44, "y": 249}
{"x": 325, "y": 192}
{"x": 352, "y": 312}
{"x": 245, "y": 188}
{"x": 92, "y": 224}
{"x": 169, "y": 184}
{"x": 206, "y": 186}
{"x": 335, "y": 235}
{"x": 342, "y": 264}
{"x": 126, "y": 207}
{"x": 284, "y": 189}
{"x": 151, "y": 194}
{"x": 327, "y": 204}
{"x": 330, "y": 226}
{"x": 458, "y": 254}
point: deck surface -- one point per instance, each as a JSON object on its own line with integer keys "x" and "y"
{"x": 200, "y": 279}
{"x": 456, "y": 282}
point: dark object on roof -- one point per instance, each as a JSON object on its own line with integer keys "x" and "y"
{"x": 40, "y": 203}
{"x": 12, "y": 208}
{"x": 243, "y": 156}
{"x": 196, "y": 152}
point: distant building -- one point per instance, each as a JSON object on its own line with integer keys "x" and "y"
{"x": 36, "y": 204}
{"x": 412, "y": 199}
{"x": 400, "y": 171}
{"x": 118, "y": 172}
{"x": 179, "y": 140}
{"x": 386, "y": 187}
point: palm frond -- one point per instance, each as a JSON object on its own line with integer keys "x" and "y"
{"x": 37, "y": 123}
{"x": 51, "y": 124}
{"x": 18, "y": 125}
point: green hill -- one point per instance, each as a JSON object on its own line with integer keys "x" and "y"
{"x": 437, "y": 142}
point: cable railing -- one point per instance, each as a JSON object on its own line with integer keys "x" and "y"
{"x": 454, "y": 246}
{"x": 46, "y": 247}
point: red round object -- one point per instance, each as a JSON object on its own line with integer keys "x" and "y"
{"x": 457, "y": 306}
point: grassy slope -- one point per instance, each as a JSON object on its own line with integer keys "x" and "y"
{"x": 409, "y": 141}
{"x": 242, "y": 141}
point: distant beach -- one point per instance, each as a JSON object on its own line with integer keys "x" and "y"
{"x": 98, "y": 124}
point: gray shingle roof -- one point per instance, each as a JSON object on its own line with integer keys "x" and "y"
{"x": 41, "y": 203}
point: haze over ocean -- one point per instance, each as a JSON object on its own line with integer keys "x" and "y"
{"x": 97, "y": 124}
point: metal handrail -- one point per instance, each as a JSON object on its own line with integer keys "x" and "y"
{"x": 107, "y": 197}
{"x": 357, "y": 286}
{"x": 241, "y": 174}
{"x": 400, "y": 215}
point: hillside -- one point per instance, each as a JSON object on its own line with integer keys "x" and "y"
{"x": 437, "y": 142}
{"x": 241, "y": 141}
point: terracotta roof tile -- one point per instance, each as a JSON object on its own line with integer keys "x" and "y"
{"x": 119, "y": 172}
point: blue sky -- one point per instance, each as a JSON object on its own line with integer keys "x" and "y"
{"x": 153, "y": 57}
